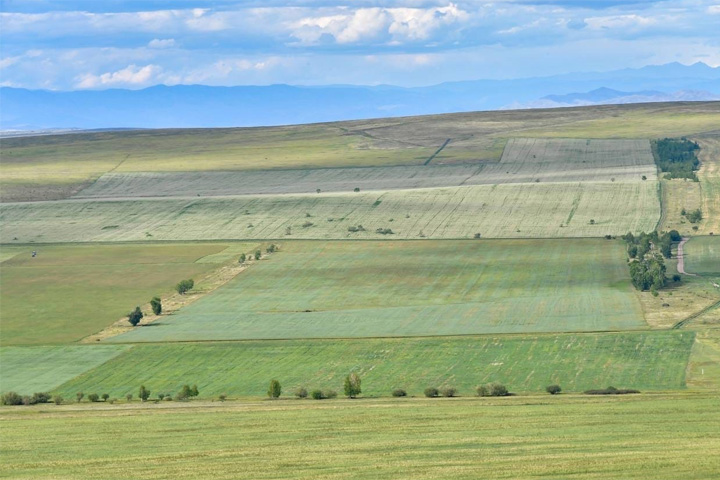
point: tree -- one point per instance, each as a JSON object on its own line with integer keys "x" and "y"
{"x": 58, "y": 400}
{"x": 399, "y": 392}
{"x": 94, "y": 397}
{"x": 128, "y": 397}
{"x": 317, "y": 394}
{"x": 448, "y": 392}
{"x": 184, "y": 285}
{"x": 11, "y": 398}
{"x": 79, "y": 396}
{"x": 356, "y": 189}
{"x": 144, "y": 393}
{"x": 135, "y": 316}
{"x": 156, "y": 305}
{"x": 258, "y": 254}
{"x": 194, "y": 391}
{"x": 352, "y": 385}
{"x": 271, "y": 248}
{"x": 222, "y": 397}
{"x": 431, "y": 392}
{"x": 275, "y": 389}
{"x": 553, "y": 389}
{"x": 105, "y": 397}
{"x": 185, "y": 393}
{"x": 301, "y": 392}
{"x": 242, "y": 258}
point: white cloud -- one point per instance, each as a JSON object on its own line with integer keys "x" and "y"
{"x": 714, "y": 9}
{"x": 132, "y": 75}
{"x": 620, "y": 21}
{"x": 161, "y": 43}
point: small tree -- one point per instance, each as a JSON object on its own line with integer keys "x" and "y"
{"x": 94, "y": 397}
{"x": 135, "y": 316}
{"x": 105, "y": 397}
{"x": 79, "y": 396}
{"x": 329, "y": 394}
{"x": 676, "y": 278}
{"x": 301, "y": 392}
{"x": 553, "y": 389}
{"x": 156, "y": 305}
{"x": 431, "y": 392}
{"x": 275, "y": 389}
{"x": 184, "y": 285}
{"x": 317, "y": 395}
{"x": 448, "y": 392}
{"x": 128, "y": 397}
{"x": 144, "y": 393}
{"x": 242, "y": 258}
{"x": 352, "y": 385}
{"x": 58, "y": 400}
{"x": 399, "y": 392}
{"x": 271, "y": 248}
{"x": 356, "y": 189}
{"x": 222, "y": 397}
{"x": 11, "y": 398}
{"x": 258, "y": 254}
{"x": 185, "y": 393}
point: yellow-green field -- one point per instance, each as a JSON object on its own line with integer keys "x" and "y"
{"x": 658, "y": 437}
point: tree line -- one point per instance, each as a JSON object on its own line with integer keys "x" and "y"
{"x": 677, "y": 157}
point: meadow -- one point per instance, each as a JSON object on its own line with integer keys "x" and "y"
{"x": 702, "y": 256}
{"x": 527, "y": 363}
{"x": 528, "y": 210}
{"x": 383, "y": 289}
{"x": 666, "y": 436}
{"x": 70, "y": 291}
{"x": 709, "y": 176}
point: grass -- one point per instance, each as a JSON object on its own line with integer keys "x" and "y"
{"x": 659, "y": 437}
{"x": 27, "y": 370}
{"x": 528, "y": 210}
{"x": 385, "y": 289}
{"x": 32, "y": 166}
{"x": 679, "y": 194}
{"x": 702, "y": 256}
{"x": 70, "y": 291}
{"x": 709, "y": 176}
{"x": 643, "y": 360}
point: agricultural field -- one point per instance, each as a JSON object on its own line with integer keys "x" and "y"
{"x": 709, "y": 176}
{"x": 58, "y": 166}
{"x": 528, "y": 210}
{"x": 70, "y": 291}
{"x": 383, "y": 289}
{"x": 702, "y": 256}
{"x": 658, "y": 437}
{"x": 642, "y": 360}
{"x": 44, "y": 368}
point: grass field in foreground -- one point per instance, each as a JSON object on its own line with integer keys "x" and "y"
{"x": 702, "y": 256}
{"x": 421, "y": 287}
{"x": 658, "y": 437}
{"x": 68, "y": 292}
{"x": 41, "y": 369}
{"x": 643, "y": 360}
{"x": 528, "y": 210}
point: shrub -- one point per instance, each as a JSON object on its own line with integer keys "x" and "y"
{"x": 274, "y": 390}
{"x": 185, "y": 393}
{"x": 112, "y": 401}
{"x": 301, "y": 392}
{"x": 41, "y": 397}
{"x": 477, "y": 235}
{"x": 644, "y": 177}
{"x": 317, "y": 395}
{"x": 156, "y": 305}
{"x": 161, "y": 396}
{"x": 483, "y": 391}
{"x": 352, "y": 385}
{"x": 676, "y": 278}
{"x": 329, "y": 394}
{"x": 288, "y": 230}
{"x": 675, "y": 235}
{"x": 26, "y": 400}
{"x": 79, "y": 396}
{"x": 58, "y": 400}
{"x": 144, "y": 393}
{"x": 305, "y": 225}
{"x": 242, "y": 258}
{"x": 695, "y": 216}
{"x": 492, "y": 390}
{"x": 222, "y": 397}
{"x": 399, "y": 392}
{"x": 11, "y": 398}
{"x": 431, "y": 392}
{"x": 184, "y": 286}
{"x": 271, "y": 248}
{"x": 384, "y": 231}
{"x": 94, "y": 397}
{"x": 128, "y": 397}
{"x": 448, "y": 392}
{"x": 592, "y": 222}
{"x": 611, "y": 391}
{"x": 258, "y": 254}
{"x": 194, "y": 391}
{"x": 356, "y": 189}
{"x": 135, "y": 316}
{"x": 318, "y": 190}
{"x": 553, "y": 389}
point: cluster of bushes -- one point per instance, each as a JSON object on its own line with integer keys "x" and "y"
{"x": 184, "y": 286}
{"x": 611, "y": 391}
{"x": 677, "y": 157}
{"x": 12, "y": 398}
{"x": 352, "y": 388}
{"x": 647, "y": 267}
{"x": 354, "y": 229}
{"x": 384, "y": 231}
{"x": 693, "y": 216}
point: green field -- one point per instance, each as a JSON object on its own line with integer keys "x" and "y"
{"x": 643, "y": 360}
{"x": 528, "y": 210}
{"x": 658, "y": 437}
{"x": 702, "y": 256}
{"x": 41, "y": 369}
{"x": 68, "y": 292}
{"x": 383, "y": 289}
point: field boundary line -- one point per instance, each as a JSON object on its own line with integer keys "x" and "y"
{"x": 437, "y": 151}
{"x": 695, "y": 315}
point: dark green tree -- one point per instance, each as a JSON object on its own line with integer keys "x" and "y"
{"x": 144, "y": 393}
{"x": 274, "y": 390}
{"x": 352, "y": 385}
{"x": 156, "y": 305}
{"x": 135, "y": 316}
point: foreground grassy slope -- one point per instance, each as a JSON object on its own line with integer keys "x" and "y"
{"x": 647, "y": 360}
{"x": 41, "y": 369}
{"x": 381, "y": 289}
{"x": 49, "y": 167}
{"x": 642, "y": 437}
{"x": 69, "y": 292}
{"x": 529, "y": 210}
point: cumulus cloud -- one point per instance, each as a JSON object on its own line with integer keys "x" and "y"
{"x": 132, "y": 75}
{"x": 161, "y": 43}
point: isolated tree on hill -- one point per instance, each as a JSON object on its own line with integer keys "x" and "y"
{"x": 184, "y": 286}
{"x": 242, "y": 258}
{"x": 144, "y": 393}
{"x": 352, "y": 385}
{"x": 258, "y": 254}
{"x": 135, "y": 316}
{"x": 156, "y": 305}
{"x": 275, "y": 389}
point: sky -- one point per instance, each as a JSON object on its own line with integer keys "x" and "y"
{"x": 81, "y": 44}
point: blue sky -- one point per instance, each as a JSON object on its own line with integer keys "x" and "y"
{"x": 70, "y": 45}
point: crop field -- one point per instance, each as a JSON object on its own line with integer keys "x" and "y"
{"x": 373, "y": 289}
{"x": 518, "y": 438}
{"x": 643, "y": 360}
{"x": 70, "y": 291}
{"x": 702, "y": 256}
{"x": 44, "y": 368}
{"x": 709, "y": 176}
{"x": 536, "y": 210}
{"x": 57, "y": 166}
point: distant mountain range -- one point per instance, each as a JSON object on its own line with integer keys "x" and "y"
{"x": 204, "y": 106}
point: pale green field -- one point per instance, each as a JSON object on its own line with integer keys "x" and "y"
{"x": 69, "y": 292}
{"x": 27, "y": 370}
{"x": 387, "y": 289}
{"x": 524, "y": 363}
{"x": 534, "y": 210}
{"x": 702, "y": 256}
{"x": 658, "y": 437}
